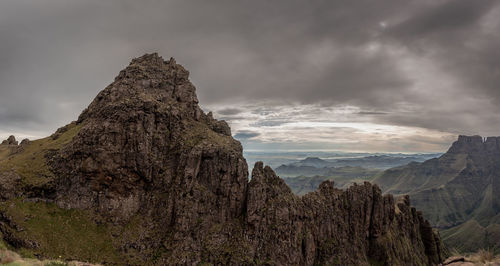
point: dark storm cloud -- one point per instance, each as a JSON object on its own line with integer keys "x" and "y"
{"x": 55, "y": 55}
{"x": 443, "y": 18}
{"x": 229, "y": 111}
{"x": 270, "y": 123}
{"x": 231, "y": 118}
{"x": 245, "y": 135}
{"x": 461, "y": 39}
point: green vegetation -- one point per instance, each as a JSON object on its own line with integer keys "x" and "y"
{"x": 60, "y": 233}
{"x": 472, "y": 236}
{"x": 29, "y": 161}
{"x": 456, "y": 193}
{"x": 3, "y": 246}
{"x": 199, "y": 132}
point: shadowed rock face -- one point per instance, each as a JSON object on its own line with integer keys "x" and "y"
{"x": 172, "y": 185}
{"x": 145, "y": 135}
{"x": 333, "y": 226}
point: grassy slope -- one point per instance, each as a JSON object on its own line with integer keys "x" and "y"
{"x": 30, "y": 164}
{"x": 471, "y": 236}
{"x": 446, "y": 204}
{"x": 10, "y": 258}
{"x": 59, "y": 233}
{"x": 413, "y": 177}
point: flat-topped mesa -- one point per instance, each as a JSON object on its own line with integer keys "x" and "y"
{"x": 474, "y": 144}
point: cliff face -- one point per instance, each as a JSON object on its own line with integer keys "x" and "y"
{"x": 475, "y": 145}
{"x": 145, "y": 135}
{"x": 144, "y": 176}
{"x": 332, "y": 226}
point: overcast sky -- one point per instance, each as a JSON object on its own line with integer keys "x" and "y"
{"x": 370, "y": 75}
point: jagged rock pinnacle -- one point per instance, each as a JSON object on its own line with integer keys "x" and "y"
{"x": 148, "y": 82}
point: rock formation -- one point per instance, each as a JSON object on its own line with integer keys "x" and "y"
{"x": 10, "y": 141}
{"x": 144, "y": 176}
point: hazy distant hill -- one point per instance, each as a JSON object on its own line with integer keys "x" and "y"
{"x": 305, "y": 175}
{"x": 379, "y": 161}
{"x": 458, "y": 191}
{"x": 342, "y": 176}
{"x": 320, "y": 159}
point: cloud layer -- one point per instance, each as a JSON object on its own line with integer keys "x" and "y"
{"x": 297, "y": 74}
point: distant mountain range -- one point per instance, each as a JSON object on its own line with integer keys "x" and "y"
{"x": 383, "y": 161}
{"x": 305, "y": 175}
{"x": 321, "y": 159}
{"x": 458, "y": 192}
{"x": 342, "y": 176}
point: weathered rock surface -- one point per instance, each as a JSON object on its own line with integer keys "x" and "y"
{"x": 329, "y": 226}
{"x": 171, "y": 186}
{"x": 10, "y": 141}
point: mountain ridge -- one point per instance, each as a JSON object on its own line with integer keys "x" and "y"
{"x": 455, "y": 189}
{"x": 144, "y": 176}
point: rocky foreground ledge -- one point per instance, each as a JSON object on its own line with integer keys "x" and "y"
{"x": 144, "y": 176}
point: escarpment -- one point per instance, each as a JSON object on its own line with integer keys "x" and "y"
{"x": 144, "y": 176}
{"x": 457, "y": 192}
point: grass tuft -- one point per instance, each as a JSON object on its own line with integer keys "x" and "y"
{"x": 484, "y": 255}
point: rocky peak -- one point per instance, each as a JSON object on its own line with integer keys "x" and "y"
{"x": 11, "y": 140}
{"x": 146, "y": 130}
{"x": 149, "y": 82}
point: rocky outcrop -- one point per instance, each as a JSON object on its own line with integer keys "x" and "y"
{"x": 144, "y": 135}
{"x": 333, "y": 226}
{"x": 170, "y": 185}
{"x": 10, "y": 141}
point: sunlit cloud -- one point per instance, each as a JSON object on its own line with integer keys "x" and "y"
{"x": 342, "y": 127}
